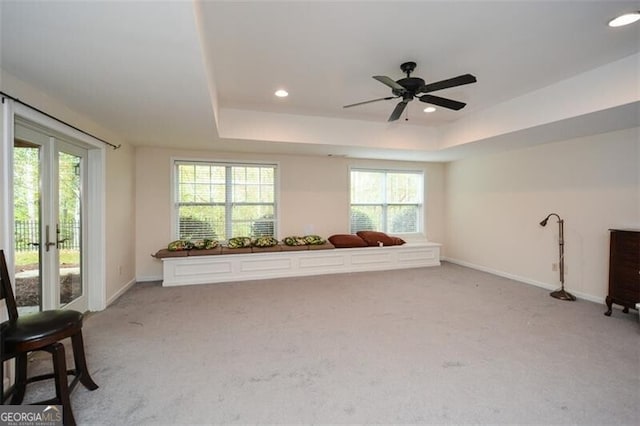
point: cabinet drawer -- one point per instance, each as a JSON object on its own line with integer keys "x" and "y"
{"x": 630, "y": 293}
{"x": 623, "y": 275}
{"x": 624, "y": 267}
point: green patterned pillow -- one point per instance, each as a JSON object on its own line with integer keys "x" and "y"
{"x": 265, "y": 242}
{"x": 239, "y": 242}
{"x": 314, "y": 240}
{"x": 205, "y": 244}
{"x": 180, "y": 245}
{"x": 294, "y": 241}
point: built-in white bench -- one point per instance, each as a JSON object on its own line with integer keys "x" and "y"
{"x": 189, "y": 270}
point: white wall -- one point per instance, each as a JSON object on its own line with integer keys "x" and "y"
{"x": 494, "y": 204}
{"x": 120, "y": 223}
{"x": 314, "y": 197}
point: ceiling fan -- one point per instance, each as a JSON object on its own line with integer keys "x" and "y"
{"x": 410, "y": 87}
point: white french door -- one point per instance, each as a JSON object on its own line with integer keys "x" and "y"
{"x": 50, "y": 184}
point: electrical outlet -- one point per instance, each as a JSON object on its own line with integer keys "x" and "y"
{"x": 554, "y": 266}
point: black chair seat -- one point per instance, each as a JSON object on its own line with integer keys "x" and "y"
{"x": 40, "y": 326}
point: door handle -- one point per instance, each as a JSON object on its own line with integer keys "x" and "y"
{"x": 58, "y": 241}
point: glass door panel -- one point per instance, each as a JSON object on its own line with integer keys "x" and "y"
{"x": 69, "y": 227}
{"x": 27, "y": 211}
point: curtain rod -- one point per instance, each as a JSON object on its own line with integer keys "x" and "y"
{"x": 58, "y": 120}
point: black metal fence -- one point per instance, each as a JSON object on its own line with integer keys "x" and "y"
{"x": 27, "y": 235}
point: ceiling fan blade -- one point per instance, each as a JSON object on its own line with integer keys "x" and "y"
{"x": 443, "y": 102}
{"x": 373, "y": 100}
{"x": 389, "y": 82}
{"x": 397, "y": 112}
{"x": 445, "y": 84}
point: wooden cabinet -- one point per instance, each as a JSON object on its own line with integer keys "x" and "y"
{"x": 624, "y": 269}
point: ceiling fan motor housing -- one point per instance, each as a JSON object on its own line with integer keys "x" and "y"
{"x": 411, "y": 84}
{"x": 409, "y": 87}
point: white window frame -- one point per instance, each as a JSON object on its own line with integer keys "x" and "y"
{"x": 175, "y": 205}
{"x": 421, "y": 231}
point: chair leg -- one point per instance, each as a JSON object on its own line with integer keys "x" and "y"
{"x": 21, "y": 379}
{"x": 62, "y": 384}
{"x": 80, "y": 362}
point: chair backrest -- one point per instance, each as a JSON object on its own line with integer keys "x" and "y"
{"x": 6, "y": 292}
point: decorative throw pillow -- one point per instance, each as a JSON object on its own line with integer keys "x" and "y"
{"x": 398, "y": 241}
{"x": 239, "y": 242}
{"x": 180, "y": 245}
{"x": 347, "y": 241}
{"x": 205, "y": 244}
{"x": 314, "y": 240}
{"x": 374, "y": 238}
{"x": 265, "y": 242}
{"x": 294, "y": 241}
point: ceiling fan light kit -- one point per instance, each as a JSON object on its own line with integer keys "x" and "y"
{"x": 409, "y": 88}
{"x": 626, "y": 19}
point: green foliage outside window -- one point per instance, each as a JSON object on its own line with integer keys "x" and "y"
{"x": 360, "y": 221}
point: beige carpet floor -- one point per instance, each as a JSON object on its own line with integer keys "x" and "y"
{"x": 441, "y": 345}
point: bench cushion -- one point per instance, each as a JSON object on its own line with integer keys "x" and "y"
{"x": 161, "y": 254}
{"x": 272, "y": 249}
{"x": 206, "y": 252}
{"x": 326, "y": 246}
{"x": 293, "y": 248}
{"x": 227, "y": 250}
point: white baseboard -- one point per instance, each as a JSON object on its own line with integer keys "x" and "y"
{"x": 148, "y": 278}
{"x": 547, "y": 286}
{"x": 120, "y": 292}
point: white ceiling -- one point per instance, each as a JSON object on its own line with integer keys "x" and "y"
{"x": 202, "y": 74}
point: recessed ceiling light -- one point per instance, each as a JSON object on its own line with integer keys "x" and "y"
{"x": 626, "y": 19}
{"x": 429, "y": 109}
{"x": 282, "y": 93}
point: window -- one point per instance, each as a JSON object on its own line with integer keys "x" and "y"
{"x": 386, "y": 200}
{"x": 224, "y": 200}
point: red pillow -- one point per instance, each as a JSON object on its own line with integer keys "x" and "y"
{"x": 347, "y": 241}
{"x": 398, "y": 241}
{"x": 373, "y": 238}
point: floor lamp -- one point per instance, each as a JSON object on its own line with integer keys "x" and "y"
{"x": 560, "y": 294}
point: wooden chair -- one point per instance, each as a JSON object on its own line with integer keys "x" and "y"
{"x": 42, "y": 331}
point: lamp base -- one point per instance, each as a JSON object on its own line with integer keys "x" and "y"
{"x": 563, "y": 295}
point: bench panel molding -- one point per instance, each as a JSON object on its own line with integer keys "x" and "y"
{"x": 191, "y": 270}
